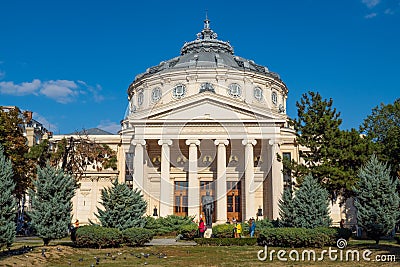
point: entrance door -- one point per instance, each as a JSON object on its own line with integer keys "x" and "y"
{"x": 233, "y": 201}
{"x": 181, "y": 198}
{"x": 210, "y": 187}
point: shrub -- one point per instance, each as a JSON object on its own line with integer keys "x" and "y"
{"x": 334, "y": 233}
{"x": 226, "y": 241}
{"x": 94, "y": 236}
{"x": 137, "y": 236}
{"x": 167, "y": 225}
{"x": 223, "y": 230}
{"x": 293, "y": 237}
{"x": 263, "y": 224}
{"x": 189, "y": 231}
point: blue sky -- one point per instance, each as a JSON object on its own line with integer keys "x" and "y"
{"x": 71, "y": 62}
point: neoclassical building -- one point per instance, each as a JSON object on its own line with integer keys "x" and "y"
{"x": 208, "y": 120}
{"x": 204, "y": 121}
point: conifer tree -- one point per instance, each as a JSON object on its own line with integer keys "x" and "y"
{"x": 377, "y": 201}
{"x": 7, "y": 201}
{"x": 287, "y": 209}
{"x": 311, "y": 205}
{"x": 123, "y": 208}
{"x": 332, "y": 156}
{"x": 51, "y": 203}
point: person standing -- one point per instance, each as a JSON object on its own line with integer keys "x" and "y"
{"x": 202, "y": 228}
{"x": 239, "y": 230}
{"x": 252, "y": 227}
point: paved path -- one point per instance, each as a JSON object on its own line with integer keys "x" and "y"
{"x": 170, "y": 242}
{"x": 154, "y": 242}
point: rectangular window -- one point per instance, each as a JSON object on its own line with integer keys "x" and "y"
{"x": 128, "y": 167}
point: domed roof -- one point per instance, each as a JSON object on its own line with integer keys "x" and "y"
{"x": 207, "y": 52}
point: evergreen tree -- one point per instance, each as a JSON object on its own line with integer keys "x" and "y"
{"x": 286, "y": 209}
{"x": 7, "y": 202}
{"x": 383, "y": 128}
{"x": 331, "y": 156}
{"x": 123, "y": 208}
{"x": 51, "y": 203}
{"x": 377, "y": 201}
{"x": 311, "y": 205}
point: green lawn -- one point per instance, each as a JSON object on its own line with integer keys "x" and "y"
{"x": 62, "y": 253}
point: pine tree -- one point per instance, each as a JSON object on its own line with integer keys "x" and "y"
{"x": 287, "y": 209}
{"x": 311, "y": 205}
{"x": 123, "y": 208}
{"x": 51, "y": 203}
{"x": 377, "y": 201}
{"x": 8, "y": 204}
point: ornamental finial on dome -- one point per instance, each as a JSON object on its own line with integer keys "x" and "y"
{"x": 207, "y": 33}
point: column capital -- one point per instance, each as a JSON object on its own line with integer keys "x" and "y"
{"x": 192, "y": 141}
{"x": 221, "y": 142}
{"x": 272, "y": 142}
{"x": 138, "y": 142}
{"x": 249, "y": 142}
{"x": 165, "y": 142}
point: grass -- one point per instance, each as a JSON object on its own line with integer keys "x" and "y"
{"x": 62, "y": 253}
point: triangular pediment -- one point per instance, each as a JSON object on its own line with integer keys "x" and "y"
{"x": 207, "y": 106}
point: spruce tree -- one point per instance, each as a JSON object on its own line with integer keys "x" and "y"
{"x": 51, "y": 203}
{"x": 311, "y": 205}
{"x": 287, "y": 209}
{"x": 123, "y": 208}
{"x": 8, "y": 204}
{"x": 377, "y": 201}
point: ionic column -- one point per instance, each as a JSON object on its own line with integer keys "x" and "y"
{"x": 276, "y": 179}
{"x": 193, "y": 190}
{"x": 221, "y": 180}
{"x": 138, "y": 163}
{"x": 166, "y": 186}
{"x": 249, "y": 187}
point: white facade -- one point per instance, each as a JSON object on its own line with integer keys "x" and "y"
{"x": 207, "y": 120}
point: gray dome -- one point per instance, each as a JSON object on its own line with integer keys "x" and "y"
{"x": 207, "y": 52}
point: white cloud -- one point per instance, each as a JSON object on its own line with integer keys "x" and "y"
{"x": 26, "y": 88}
{"x": 371, "y": 3}
{"x": 109, "y": 126}
{"x": 389, "y": 11}
{"x": 62, "y": 91}
{"x": 370, "y": 16}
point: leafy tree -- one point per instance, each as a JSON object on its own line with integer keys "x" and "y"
{"x": 78, "y": 153}
{"x": 331, "y": 155}
{"x": 51, "y": 203}
{"x": 123, "y": 208}
{"x": 377, "y": 201}
{"x": 287, "y": 209}
{"x": 310, "y": 204}
{"x": 15, "y": 147}
{"x": 7, "y": 202}
{"x": 383, "y": 128}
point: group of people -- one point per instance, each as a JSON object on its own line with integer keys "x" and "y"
{"x": 237, "y": 233}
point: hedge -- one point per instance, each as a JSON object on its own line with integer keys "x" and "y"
{"x": 137, "y": 236}
{"x": 94, "y": 236}
{"x": 189, "y": 231}
{"x": 226, "y": 241}
{"x": 301, "y": 237}
{"x": 223, "y": 230}
{"x": 293, "y": 237}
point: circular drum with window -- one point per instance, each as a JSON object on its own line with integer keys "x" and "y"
{"x": 156, "y": 94}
